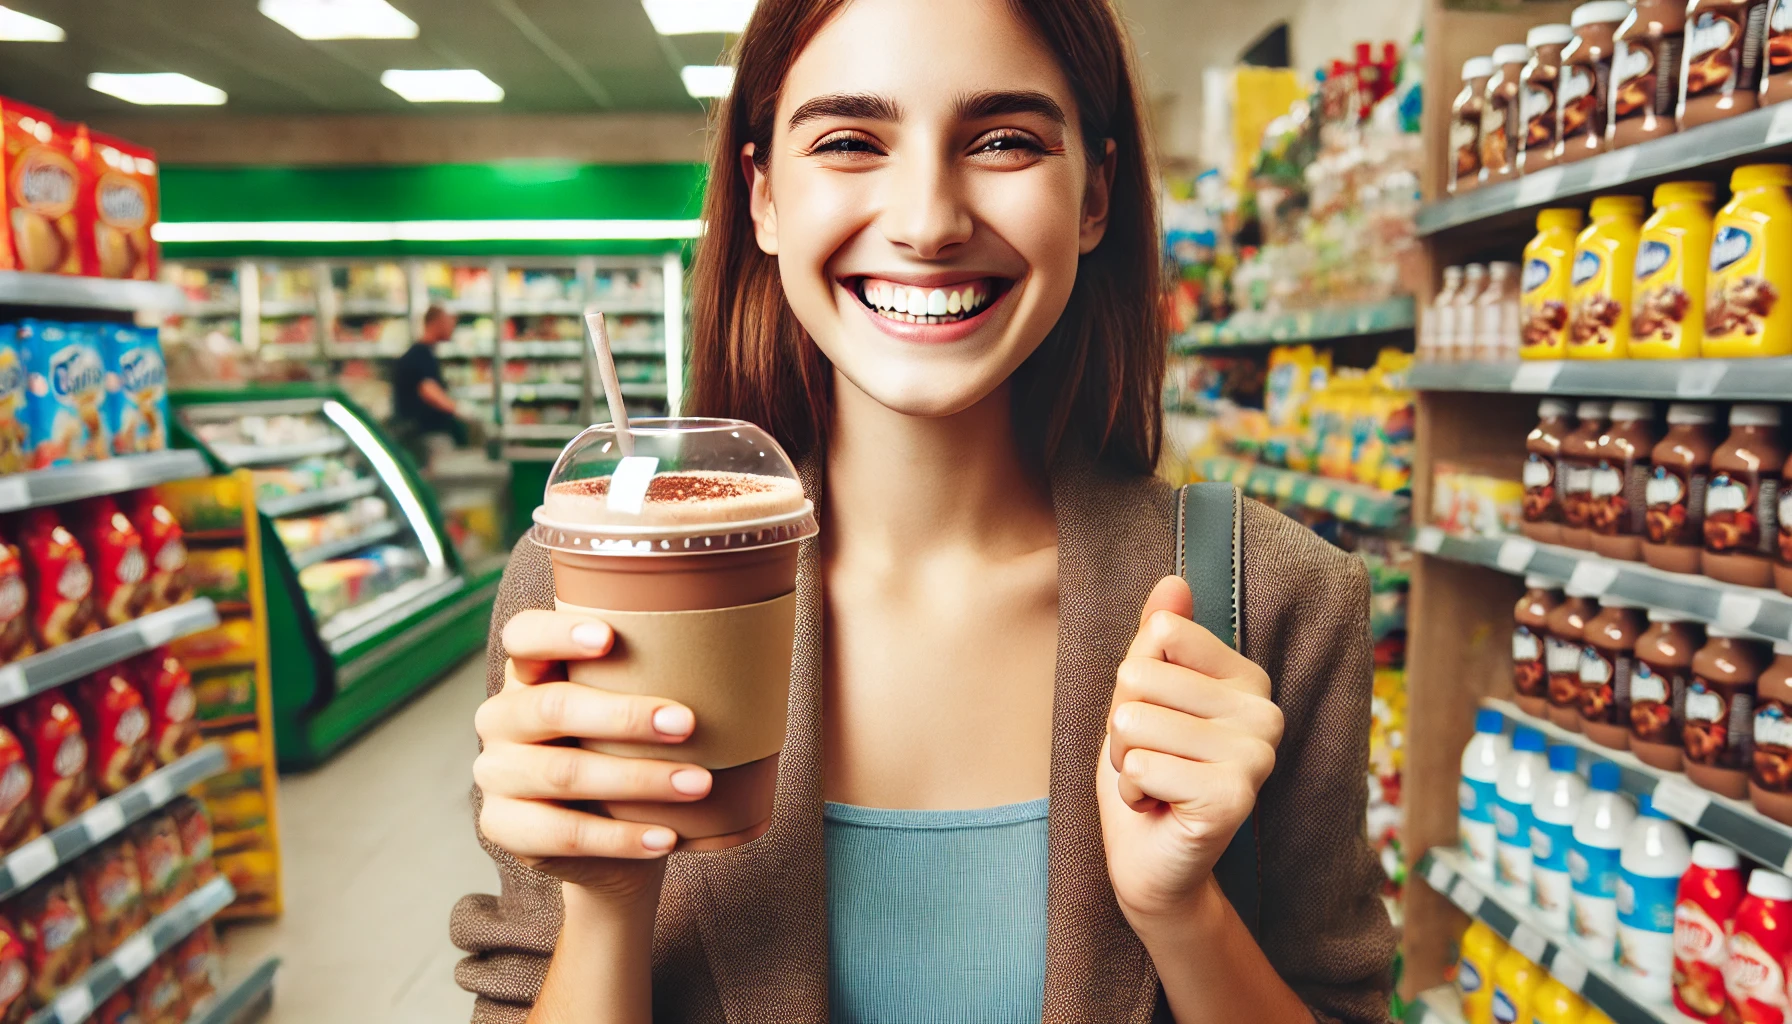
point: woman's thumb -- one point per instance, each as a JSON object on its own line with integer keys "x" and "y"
{"x": 1170, "y": 595}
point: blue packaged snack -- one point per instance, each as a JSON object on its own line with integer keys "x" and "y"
{"x": 65, "y": 388}
{"x": 14, "y": 438}
{"x": 136, "y": 389}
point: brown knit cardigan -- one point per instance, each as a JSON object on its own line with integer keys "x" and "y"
{"x": 742, "y": 934}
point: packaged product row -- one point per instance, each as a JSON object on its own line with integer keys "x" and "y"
{"x": 263, "y": 431}
{"x": 1495, "y": 982}
{"x": 351, "y": 518}
{"x": 53, "y": 932}
{"x": 85, "y": 566}
{"x": 1619, "y": 73}
{"x": 341, "y": 583}
{"x": 74, "y": 200}
{"x": 79, "y": 392}
{"x": 1690, "y": 498}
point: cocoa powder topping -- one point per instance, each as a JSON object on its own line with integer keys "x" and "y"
{"x": 675, "y": 487}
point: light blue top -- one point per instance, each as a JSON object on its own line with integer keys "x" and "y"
{"x": 936, "y": 916}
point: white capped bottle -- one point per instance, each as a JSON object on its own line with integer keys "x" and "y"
{"x": 1593, "y": 863}
{"x": 1655, "y": 856}
{"x": 1552, "y": 834}
{"x": 1478, "y": 793}
{"x": 1521, "y": 773}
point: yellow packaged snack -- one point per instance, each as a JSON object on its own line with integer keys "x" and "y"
{"x": 1667, "y": 319}
{"x": 1595, "y": 1015}
{"x": 1545, "y": 288}
{"x": 1482, "y": 947}
{"x": 1751, "y": 242}
{"x": 1515, "y": 980}
{"x": 1604, "y": 273}
{"x": 1555, "y": 1003}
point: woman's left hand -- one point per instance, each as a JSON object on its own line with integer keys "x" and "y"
{"x": 1192, "y": 736}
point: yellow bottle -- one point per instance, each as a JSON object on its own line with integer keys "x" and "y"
{"x": 1556, "y": 1003}
{"x": 1746, "y": 312}
{"x": 1667, "y": 311}
{"x": 1604, "y": 272}
{"x": 1482, "y": 947}
{"x": 1544, "y": 289}
{"x": 1515, "y": 981}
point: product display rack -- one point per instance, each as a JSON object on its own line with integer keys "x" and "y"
{"x": 1351, "y": 502}
{"x": 1691, "y": 380}
{"x": 18, "y": 288}
{"x": 86, "y": 655}
{"x": 1329, "y": 324}
{"x": 92, "y": 479}
{"x": 409, "y": 609}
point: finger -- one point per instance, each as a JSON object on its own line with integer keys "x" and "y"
{"x": 1218, "y": 793}
{"x": 1196, "y": 693}
{"x": 1130, "y": 793}
{"x": 549, "y": 711}
{"x": 538, "y": 772}
{"x": 1171, "y": 594}
{"x": 518, "y": 674}
{"x": 1136, "y": 725}
{"x": 539, "y": 635}
{"x": 1169, "y": 637}
{"x": 529, "y": 828}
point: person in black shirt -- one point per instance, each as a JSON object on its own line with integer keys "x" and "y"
{"x": 424, "y": 415}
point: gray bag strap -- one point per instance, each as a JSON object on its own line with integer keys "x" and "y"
{"x": 1208, "y": 550}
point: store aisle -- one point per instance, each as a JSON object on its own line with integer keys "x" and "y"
{"x": 378, "y": 845}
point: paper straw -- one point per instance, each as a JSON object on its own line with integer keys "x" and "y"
{"x": 606, "y": 369}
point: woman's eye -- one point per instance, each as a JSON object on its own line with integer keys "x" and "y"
{"x": 1009, "y": 143}
{"x": 845, "y": 144}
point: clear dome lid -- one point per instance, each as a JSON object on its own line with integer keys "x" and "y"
{"x": 690, "y": 486}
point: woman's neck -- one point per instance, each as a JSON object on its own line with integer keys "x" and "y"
{"x": 897, "y": 482}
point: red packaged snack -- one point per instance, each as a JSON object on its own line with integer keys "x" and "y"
{"x": 15, "y": 626}
{"x": 115, "y": 552}
{"x": 57, "y": 579}
{"x": 41, "y": 185}
{"x": 158, "y": 994}
{"x": 51, "y": 730}
{"x": 120, "y": 1009}
{"x": 195, "y": 825}
{"x": 161, "y": 863}
{"x": 167, "y": 689}
{"x": 117, "y": 729}
{"x": 119, "y": 203}
{"x": 165, "y": 548}
{"x": 112, "y": 894}
{"x": 1760, "y": 942}
{"x": 1704, "y": 910}
{"x": 199, "y": 962}
{"x": 18, "y": 804}
{"x": 15, "y": 974}
{"x": 58, "y": 944}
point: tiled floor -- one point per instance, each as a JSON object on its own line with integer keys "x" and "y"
{"x": 378, "y": 845}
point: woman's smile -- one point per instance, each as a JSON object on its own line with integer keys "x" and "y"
{"x": 899, "y": 304}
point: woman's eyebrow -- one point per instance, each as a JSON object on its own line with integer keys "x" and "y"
{"x": 857, "y": 105}
{"x": 977, "y": 106}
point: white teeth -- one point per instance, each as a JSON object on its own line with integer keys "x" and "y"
{"x": 915, "y": 305}
{"x": 954, "y": 303}
{"x": 917, "y": 301}
{"x": 899, "y": 299}
{"x": 936, "y": 303}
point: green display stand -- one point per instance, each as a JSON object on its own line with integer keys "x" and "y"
{"x": 338, "y": 674}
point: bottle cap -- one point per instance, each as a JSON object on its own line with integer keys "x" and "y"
{"x": 1548, "y": 35}
{"x": 1668, "y": 615}
{"x": 1554, "y": 408}
{"x": 1489, "y": 720}
{"x": 1754, "y": 416}
{"x": 1603, "y": 777}
{"x": 1717, "y": 632}
{"x": 1684, "y": 192}
{"x": 1474, "y": 270}
{"x": 1511, "y": 53}
{"x": 1527, "y": 739}
{"x": 1501, "y": 268}
{"x": 1692, "y": 412}
{"x": 1538, "y": 581}
{"x": 1453, "y": 273}
{"x": 1477, "y": 67}
{"x": 1782, "y": 648}
{"x": 1760, "y": 176}
{"x": 1630, "y": 410}
{"x": 1599, "y": 12}
{"x": 1576, "y": 590}
{"x": 1563, "y": 757}
{"x": 1769, "y": 885}
{"x": 1593, "y": 410}
{"x": 1618, "y": 602}
{"x": 1560, "y": 217}
{"x": 1617, "y": 206}
{"x": 1714, "y": 856}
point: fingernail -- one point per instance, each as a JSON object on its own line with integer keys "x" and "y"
{"x": 690, "y": 781}
{"x": 590, "y": 636}
{"x": 673, "y": 721}
{"x": 658, "y": 839}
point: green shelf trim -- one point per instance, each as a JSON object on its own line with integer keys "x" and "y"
{"x": 1351, "y": 502}
{"x": 1329, "y": 324}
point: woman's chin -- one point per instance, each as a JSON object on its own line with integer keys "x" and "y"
{"x": 929, "y": 394}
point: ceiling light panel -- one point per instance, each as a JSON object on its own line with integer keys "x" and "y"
{"x": 18, "y": 27}
{"x": 691, "y": 17}
{"x": 456, "y": 85}
{"x": 340, "y": 19}
{"x": 707, "y": 81}
{"x": 164, "y": 88}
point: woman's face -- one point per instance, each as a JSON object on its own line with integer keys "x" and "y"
{"x": 927, "y": 197}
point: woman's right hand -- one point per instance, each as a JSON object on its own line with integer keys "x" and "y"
{"x": 534, "y": 782}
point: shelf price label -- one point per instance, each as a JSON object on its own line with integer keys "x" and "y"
{"x": 32, "y": 861}
{"x": 1699, "y": 379}
{"x": 1345, "y": 506}
{"x": 1539, "y": 188}
{"x": 1680, "y": 801}
{"x": 1779, "y": 130}
{"x": 73, "y": 1005}
{"x": 1285, "y": 485}
{"x": 1530, "y": 942}
{"x": 13, "y": 687}
{"x": 1515, "y": 555}
{"x": 1439, "y": 876}
{"x": 1596, "y": 577}
{"x": 1569, "y": 969}
{"x": 1737, "y": 611}
{"x": 134, "y": 955}
{"x": 1429, "y": 540}
{"x": 103, "y": 821}
{"x": 1535, "y": 377}
{"x": 1465, "y": 895}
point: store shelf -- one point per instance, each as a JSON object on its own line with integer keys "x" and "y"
{"x": 233, "y": 308}
{"x": 1706, "y": 148}
{"x": 372, "y": 307}
{"x": 539, "y": 431}
{"x": 1606, "y": 986}
{"x": 468, "y": 307}
{"x": 1688, "y": 379}
{"x": 109, "y": 646}
{"x": 463, "y": 352}
{"x": 21, "y": 289}
{"x": 1330, "y": 324}
{"x": 1440, "y": 1005}
{"x": 367, "y": 350}
{"x": 625, "y": 307}
{"x": 106, "y": 819}
{"x": 240, "y": 1002}
{"x": 543, "y": 349}
{"x": 543, "y": 307}
{"x": 112, "y": 972}
{"x": 346, "y": 546}
{"x": 1348, "y": 501}
{"x": 1735, "y": 823}
{"x": 278, "y": 352}
{"x": 644, "y": 390}
{"x": 239, "y": 455}
{"x": 309, "y": 501}
{"x": 1766, "y": 614}
{"x": 92, "y": 479}
{"x": 352, "y": 626}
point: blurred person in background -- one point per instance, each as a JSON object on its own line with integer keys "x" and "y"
{"x": 425, "y": 419}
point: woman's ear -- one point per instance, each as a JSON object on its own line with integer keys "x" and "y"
{"x": 1095, "y": 202}
{"x": 759, "y": 202}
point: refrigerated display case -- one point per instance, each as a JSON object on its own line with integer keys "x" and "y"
{"x": 368, "y": 600}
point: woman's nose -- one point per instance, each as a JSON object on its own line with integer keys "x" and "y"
{"x": 925, "y": 209}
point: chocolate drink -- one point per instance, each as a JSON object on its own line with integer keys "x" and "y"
{"x": 695, "y": 570}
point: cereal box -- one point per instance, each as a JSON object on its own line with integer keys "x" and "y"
{"x": 13, "y": 440}
{"x": 119, "y": 204}
{"x": 65, "y": 388}
{"x": 136, "y": 404}
{"x": 38, "y": 231}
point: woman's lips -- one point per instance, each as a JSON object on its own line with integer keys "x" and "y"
{"x": 946, "y": 313}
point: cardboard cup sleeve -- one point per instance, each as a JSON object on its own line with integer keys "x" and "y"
{"x": 730, "y": 666}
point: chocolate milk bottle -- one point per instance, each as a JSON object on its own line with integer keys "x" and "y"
{"x": 1607, "y": 662}
{"x": 1580, "y": 454}
{"x": 1530, "y": 623}
{"x": 1658, "y": 687}
{"x": 1770, "y": 774}
{"x": 1718, "y": 736}
{"x": 1679, "y": 471}
{"x": 688, "y": 549}
{"x": 1542, "y": 471}
{"x": 1776, "y": 59}
{"x": 1721, "y": 73}
{"x": 1782, "y": 562}
{"x": 1500, "y": 114}
{"x": 1565, "y": 627}
{"x": 1465, "y": 125}
{"x": 1537, "y": 96}
{"x": 1646, "y": 72}
{"x": 1742, "y": 500}
{"x": 1620, "y": 479}
{"x": 1460, "y": 345}
{"x": 1587, "y": 77}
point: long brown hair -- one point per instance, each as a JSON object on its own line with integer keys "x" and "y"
{"x": 1098, "y": 376}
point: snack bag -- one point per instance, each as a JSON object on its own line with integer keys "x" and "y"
{"x": 41, "y": 181}
{"x": 18, "y": 803}
{"x": 117, "y": 729}
{"x": 14, "y": 441}
{"x": 58, "y": 942}
{"x": 15, "y": 600}
{"x": 167, "y": 689}
{"x": 120, "y": 1009}
{"x": 199, "y": 962}
{"x": 136, "y": 389}
{"x": 161, "y": 863}
{"x": 50, "y": 729}
{"x": 195, "y": 825}
{"x": 112, "y": 894}
{"x": 65, "y": 388}
{"x": 57, "y": 579}
{"x": 120, "y": 203}
{"x": 158, "y": 994}
{"x": 165, "y": 547}
{"x": 15, "y": 974}
{"x": 115, "y": 551}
